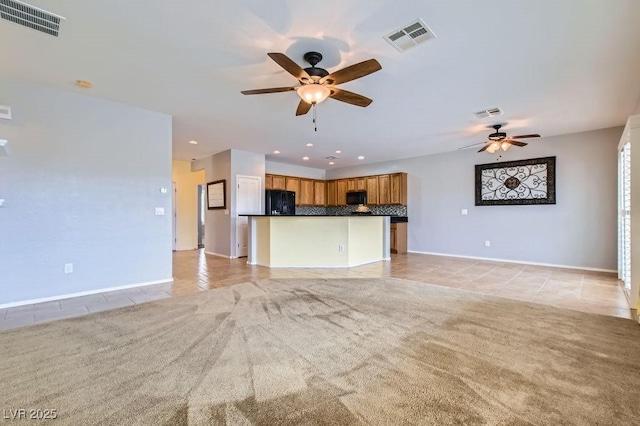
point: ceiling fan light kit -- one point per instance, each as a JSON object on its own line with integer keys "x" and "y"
{"x": 313, "y": 93}
{"x": 499, "y": 141}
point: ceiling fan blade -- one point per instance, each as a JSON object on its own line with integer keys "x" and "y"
{"x": 516, "y": 143}
{"x": 352, "y": 72}
{"x": 488, "y": 144}
{"x": 303, "y": 108}
{"x": 471, "y": 146}
{"x": 349, "y": 97}
{"x": 290, "y": 66}
{"x": 525, "y": 136}
{"x": 271, "y": 90}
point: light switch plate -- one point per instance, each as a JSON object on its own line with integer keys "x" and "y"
{"x": 5, "y": 112}
{"x": 159, "y": 211}
{"x": 464, "y": 211}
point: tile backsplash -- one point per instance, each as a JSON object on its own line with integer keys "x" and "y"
{"x": 393, "y": 210}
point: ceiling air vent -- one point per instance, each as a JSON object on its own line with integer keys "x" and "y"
{"x": 30, "y": 16}
{"x": 331, "y": 157}
{"x": 411, "y": 35}
{"x": 491, "y": 112}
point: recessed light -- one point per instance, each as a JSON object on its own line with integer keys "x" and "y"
{"x": 309, "y": 144}
{"x": 338, "y": 152}
{"x": 193, "y": 142}
{"x": 276, "y": 152}
{"x": 305, "y": 158}
{"x": 84, "y": 84}
{"x": 361, "y": 157}
{"x": 331, "y": 163}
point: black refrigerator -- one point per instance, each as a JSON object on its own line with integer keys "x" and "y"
{"x": 278, "y": 202}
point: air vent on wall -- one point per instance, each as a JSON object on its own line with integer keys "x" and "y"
{"x": 409, "y": 36}
{"x": 491, "y": 112}
{"x": 30, "y": 16}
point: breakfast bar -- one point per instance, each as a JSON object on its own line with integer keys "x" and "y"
{"x": 318, "y": 241}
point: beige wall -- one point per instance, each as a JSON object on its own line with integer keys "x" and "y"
{"x": 186, "y": 204}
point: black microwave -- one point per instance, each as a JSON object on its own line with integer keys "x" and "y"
{"x": 357, "y": 197}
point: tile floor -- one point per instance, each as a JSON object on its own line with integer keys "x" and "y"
{"x": 194, "y": 271}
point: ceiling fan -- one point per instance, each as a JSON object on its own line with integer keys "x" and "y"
{"x": 317, "y": 84}
{"x": 499, "y": 140}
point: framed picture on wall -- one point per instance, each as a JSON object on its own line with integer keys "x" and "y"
{"x": 217, "y": 194}
{"x": 521, "y": 182}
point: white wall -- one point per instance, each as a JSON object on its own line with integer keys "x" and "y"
{"x": 580, "y": 230}
{"x": 274, "y": 168}
{"x": 81, "y": 185}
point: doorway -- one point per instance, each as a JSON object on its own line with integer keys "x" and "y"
{"x": 200, "y": 219}
{"x": 174, "y": 216}
{"x": 248, "y": 201}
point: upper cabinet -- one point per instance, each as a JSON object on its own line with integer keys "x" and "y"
{"x": 398, "y": 189}
{"x": 372, "y": 190}
{"x": 384, "y": 189}
{"x": 278, "y": 182}
{"x": 293, "y": 184}
{"x": 341, "y": 192}
{"x": 319, "y": 193}
{"x": 332, "y": 200}
{"x": 381, "y": 189}
{"x": 306, "y": 192}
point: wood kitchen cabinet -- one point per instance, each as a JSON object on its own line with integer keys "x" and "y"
{"x": 278, "y": 182}
{"x": 306, "y": 192}
{"x": 384, "y": 189}
{"x": 381, "y": 189}
{"x": 398, "y": 193}
{"x": 319, "y": 193}
{"x": 341, "y": 190}
{"x": 398, "y": 237}
{"x": 331, "y": 193}
{"x": 372, "y": 190}
{"x": 293, "y": 184}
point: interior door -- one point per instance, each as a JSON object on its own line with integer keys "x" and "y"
{"x": 248, "y": 201}
{"x": 624, "y": 218}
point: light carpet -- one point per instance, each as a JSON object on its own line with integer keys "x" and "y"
{"x": 334, "y": 352}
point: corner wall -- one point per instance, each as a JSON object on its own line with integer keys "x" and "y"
{"x": 81, "y": 186}
{"x": 580, "y": 230}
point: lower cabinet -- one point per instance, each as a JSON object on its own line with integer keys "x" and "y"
{"x": 398, "y": 237}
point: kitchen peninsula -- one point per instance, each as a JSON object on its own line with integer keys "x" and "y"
{"x": 318, "y": 241}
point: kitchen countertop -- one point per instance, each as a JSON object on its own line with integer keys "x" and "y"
{"x": 394, "y": 219}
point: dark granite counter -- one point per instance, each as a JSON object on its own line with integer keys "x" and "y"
{"x": 394, "y": 219}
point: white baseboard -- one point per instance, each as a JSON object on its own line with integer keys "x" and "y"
{"x": 523, "y": 262}
{"x": 218, "y": 254}
{"x": 82, "y": 293}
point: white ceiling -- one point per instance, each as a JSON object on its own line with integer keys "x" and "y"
{"x": 553, "y": 66}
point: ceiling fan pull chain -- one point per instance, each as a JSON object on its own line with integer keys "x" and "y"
{"x": 315, "y": 116}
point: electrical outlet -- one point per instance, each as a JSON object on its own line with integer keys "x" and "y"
{"x": 159, "y": 211}
{"x": 340, "y": 247}
{"x": 464, "y": 211}
{"x": 487, "y": 243}
{"x": 68, "y": 268}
